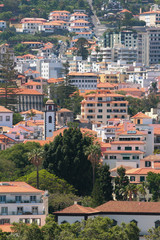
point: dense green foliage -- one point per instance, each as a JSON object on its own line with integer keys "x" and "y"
{"x": 102, "y": 191}
{"x": 142, "y": 105}
{"x": 153, "y": 180}
{"x": 96, "y": 228}
{"x": 63, "y": 96}
{"x": 66, "y": 158}
{"x": 154, "y": 234}
{"x": 14, "y": 161}
{"x": 121, "y": 182}
{"x": 48, "y": 182}
{"x": 38, "y": 8}
{"x": 17, "y": 118}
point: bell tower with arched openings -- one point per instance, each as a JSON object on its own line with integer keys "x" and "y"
{"x": 49, "y": 119}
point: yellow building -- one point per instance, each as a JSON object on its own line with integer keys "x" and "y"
{"x": 112, "y": 77}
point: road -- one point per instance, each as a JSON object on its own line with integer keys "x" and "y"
{"x": 99, "y": 28}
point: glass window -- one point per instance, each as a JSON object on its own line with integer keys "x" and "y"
{"x": 147, "y": 163}
{"x": 128, "y": 148}
{"x": 100, "y": 110}
{"x": 99, "y": 116}
{"x": 19, "y": 210}
{"x": 18, "y": 198}
{"x": 132, "y": 178}
{"x": 1, "y": 118}
{"x": 136, "y": 148}
{"x": 33, "y": 198}
{"x": 2, "y": 198}
{"x": 126, "y": 158}
{"x": 142, "y": 178}
{"x": 4, "y": 210}
{"x": 119, "y": 148}
{"x": 34, "y": 210}
{"x": 50, "y": 119}
{"x": 157, "y": 223}
{"x": 7, "y": 118}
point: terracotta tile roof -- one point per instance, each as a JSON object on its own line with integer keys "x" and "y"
{"x": 105, "y": 85}
{"x": 32, "y": 83}
{"x": 82, "y": 74}
{"x": 34, "y": 110}
{"x": 6, "y": 228}
{"x": 141, "y": 171}
{"x": 4, "y": 110}
{"x": 63, "y": 110}
{"x": 115, "y": 169}
{"x": 31, "y": 43}
{"x": 22, "y": 91}
{"x": 18, "y": 187}
{"x": 79, "y": 14}
{"x": 80, "y": 21}
{"x": 130, "y": 207}
{"x": 156, "y": 131}
{"x": 41, "y": 142}
{"x": 76, "y": 209}
{"x": 141, "y": 115}
{"x": 152, "y": 158}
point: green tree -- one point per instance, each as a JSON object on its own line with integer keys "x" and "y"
{"x": 93, "y": 153}
{"x": 102, "y": 191}
{"x": 153, "y": 181}
{"x": 154, "y": 234}
{"x": 36, "y": 157}
{"x": 17, "y": 118}
{"x": 8, "y": 75}
{"x": 142, "y": 188}
{"x": 48, "y": 181}
{"x": 121, "y": 182}
{"x": 31, "y": 114}
{"x": 131, "y": 191}
{"x": 81, "y": 46}
{"x": 66, "y": 158}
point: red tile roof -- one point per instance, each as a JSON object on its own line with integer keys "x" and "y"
{"x": 130, "y": 207}
{"x": 4, "y": 110}
{"x": 76, "y": 209}
{"x": 141, "y": 115}
{"x": 17, "y": 187}
{"x": 127, "y": 143}
{"x": 141, "y": 171}
{"x": 6, "y": 228}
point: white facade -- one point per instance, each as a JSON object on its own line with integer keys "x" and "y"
{"x": 50, "y": 68}
{"x": 20, "y": 202}
{"x": 84, "y": 80}
{"x": 6, "y": 117}
{"x": 49, "y": 119}
{"x": 2, "y": 24}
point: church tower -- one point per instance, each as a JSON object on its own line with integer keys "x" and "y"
{"x": 49, "y": 119}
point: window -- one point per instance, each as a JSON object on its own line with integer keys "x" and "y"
{"x": 1, "y": 118}
{"x": 3, "y": 221}
{"x": 134, "y": 221}
{"x": 108, "y": 116}
{"x": 114, "y": 222}
{"x": 99, "y": 104}
{"x": 18, "y": 198}
{"x": 136, "y": 148}
{"x": 33, "y": 198}
{"x": 157, "y": 223}
{"x": 4, "y": 210}
{"x": 34, "y": 210}
{"x": 50, "y": 107}
{"x": 132, "y": 178}
{"x": 147, "y": 163}
{"x": 126, "y": 158}
{"x": 142, "y": 178}
{"x": 149, "y": 132}
{"x": 50, "y": 119}
{"x": 100, "y": 110}
{"x": 19, "y": 210}
{"x": 135, "y": 157}
{"x": 118, "y": 148}
{"x": 128, "y": 148}
{"x": 138, "y": 121}
{"x": 7, "y": 118}
{"x": 99, "y": 98}
{"x": 99, "y": 116}
{"x": 2, "y": 198}
{"x": 112, "y": 157}
{"x": 108, "y": 104}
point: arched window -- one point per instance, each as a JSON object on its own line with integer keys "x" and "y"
{"x": 157, "y": 223}
{"x": 114, "y": 222}
{"x": 134, "y": 221}
{"x": 50, "y": 107}
{"x": 64, "y": 222}
{"x": 50, "y": 119}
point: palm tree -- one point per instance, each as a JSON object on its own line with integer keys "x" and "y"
{"x": 142, "y": 189}
{"x": 31, "y": 114}
{"x": 36, "y": 158}
{"x": 131, "y": 190}
{"x": 93, "y": 153}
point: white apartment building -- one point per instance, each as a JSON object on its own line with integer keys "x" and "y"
{"x": 2, "y": 24}
{"x": 6, "y": 117}
{"x": 20, "y": 202}
{"x": 83, "y": 80}
{"x": 31, "y": 26}
{"x": 59, "y": 15}
{"x": 78, "y": 16}
{"x": 50, "y": 68}
{"x": 82, "y": 66}
{"x": 152, "y": 18}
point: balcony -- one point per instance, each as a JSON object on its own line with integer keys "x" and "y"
{"x": 22, "y": 213}
{"x": 17, "y": 202}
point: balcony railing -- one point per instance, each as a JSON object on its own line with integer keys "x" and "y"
{"x": 22, "y": 213}
{"x": 25, "y": 201}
